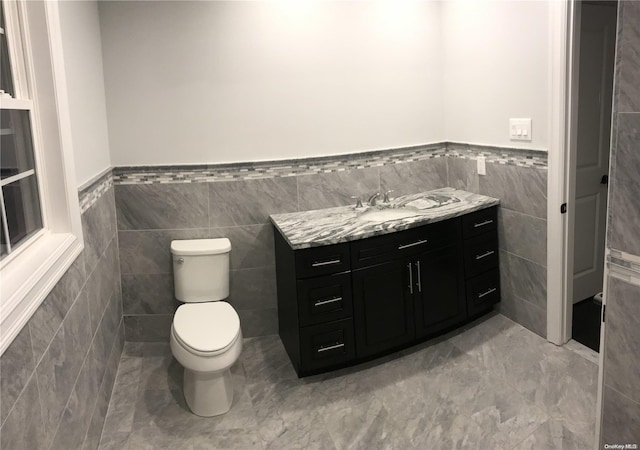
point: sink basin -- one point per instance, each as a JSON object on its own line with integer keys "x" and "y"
{"x": 382, "y": 215}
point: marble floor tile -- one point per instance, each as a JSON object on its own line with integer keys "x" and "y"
{"x": 490, "y": 385}
{"x": 553, "y": 435}
{"x": 304, "y": 432}
{"x": 239, "y": 439}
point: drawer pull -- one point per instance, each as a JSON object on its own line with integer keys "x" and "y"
{"x": 410, "y": 278}
{"x": 419, "y": 276}
{"x": 326, "y": 302}
{"x": 484, "y": 294}
{"x": 484, "y": 255}
{"x": 413, "y": 244}
{"x": 325, "y": 263}
{"x": 330, "y": 347}
{"x": 481, "y": 224}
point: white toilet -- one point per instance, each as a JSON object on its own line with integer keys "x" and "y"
{"x": 205, "y": 335}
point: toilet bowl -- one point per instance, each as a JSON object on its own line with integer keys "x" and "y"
{"x": 206, "y": 338}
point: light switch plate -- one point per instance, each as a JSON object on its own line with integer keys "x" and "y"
{"x": 482, "y": 168}
{"x": 520, "y": 129}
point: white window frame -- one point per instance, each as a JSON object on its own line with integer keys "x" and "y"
{"x": 28, "y": 274}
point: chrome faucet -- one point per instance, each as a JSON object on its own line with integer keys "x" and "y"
{"x": 386, "y": 196}
{"x": 358, "y": 201}
{"x": 372, "y": 199}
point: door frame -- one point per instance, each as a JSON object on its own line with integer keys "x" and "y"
{"x": 563, "y": 88}
{"x": 564, "y": 42}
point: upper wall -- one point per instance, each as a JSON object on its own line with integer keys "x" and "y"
{"x": 212, "y": 82}
{"x": 85, "y": 85}
{"x": 496, "y": 68}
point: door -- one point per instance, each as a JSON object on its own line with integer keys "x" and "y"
{"x": 439, "y": 291}
{"x": 383, "y": 307}
{"x": 597, "y": 49}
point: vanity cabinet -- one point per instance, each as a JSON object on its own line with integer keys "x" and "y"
{"x": 418, "y": 291}
{"x": 344, "y": 303}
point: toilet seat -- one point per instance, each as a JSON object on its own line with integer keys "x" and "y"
{"x": 206, "y": 329}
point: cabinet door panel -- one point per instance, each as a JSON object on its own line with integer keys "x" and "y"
{"x": 404, "y": 244}
{"x": 440, "y": 301}
{"x": 483, "y": 291}
{"x": 316, "y": 261}
{"x": 324, "y": 299}
{"x": 480, "y": 254}
{"x": 326, "y": 345}
{"x": 383, "y": 307}
{"x": 480, "y": 222}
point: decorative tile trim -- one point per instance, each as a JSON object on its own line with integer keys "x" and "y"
{"x": 501, "y": 155}
{"x": 328, "y": 164}
{"x": 627, "y": 262}
{"x": 91, "y": 193}
{"x": 275, "y": 169}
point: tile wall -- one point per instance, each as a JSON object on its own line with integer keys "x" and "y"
{"x": 158, "y": 204}
{"x": 621, "y": 396}
{"x": 57, "y": 375}
{"x": 522, "y": 222}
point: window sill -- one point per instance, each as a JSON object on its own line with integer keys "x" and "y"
{"x": 28, "y": 279}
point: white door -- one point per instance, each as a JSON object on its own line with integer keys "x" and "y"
{"x": 597, "y": 50}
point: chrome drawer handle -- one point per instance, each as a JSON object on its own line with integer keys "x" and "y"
{"x": 481, "y": 224}
{"x": 331, "y": 347}
{"x": 326, "y": 263}
{"x": 410, "y": 278}
{"x": 325, "y": 302}
{"x": 413, "y": 244}
{"x": 419, "y": 276}
{"x": 484, "y": 255}
{"x": 484, "y": 294}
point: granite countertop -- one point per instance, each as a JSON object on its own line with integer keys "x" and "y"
{"x": 342, "y": 224}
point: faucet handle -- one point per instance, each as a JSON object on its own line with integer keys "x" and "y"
{"x": 386, "y": 196}
{"x": 372, "y": 199}
{"x": 358, "y": 201}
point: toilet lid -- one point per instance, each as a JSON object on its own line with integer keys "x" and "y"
{"x": 206, "y": 327}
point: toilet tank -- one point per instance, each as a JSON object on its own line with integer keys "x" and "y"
{"x": 201, "y": 269}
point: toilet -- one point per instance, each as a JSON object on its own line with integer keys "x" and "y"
{"x": 205, "y": 334}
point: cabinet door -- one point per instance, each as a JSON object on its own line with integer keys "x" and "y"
{"x": 383, "y": 307}
{"x": 483, "y": 291}
{"x": 439, "y": 291}
{"x": 326, "y": 345}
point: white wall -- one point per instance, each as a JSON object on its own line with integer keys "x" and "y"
{"x": 199, "y": 82}
{"x": 85, "y": 83}
{"x": 496, "y": 68}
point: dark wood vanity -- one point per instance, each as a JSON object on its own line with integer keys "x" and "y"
{"x": 345, "y": 303}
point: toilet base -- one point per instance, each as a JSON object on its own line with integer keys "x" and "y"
{"x": 208, "y": 394}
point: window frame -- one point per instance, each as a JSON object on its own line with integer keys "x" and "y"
{"x": 30, "y": 271}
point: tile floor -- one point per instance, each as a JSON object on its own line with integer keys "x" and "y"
{"x": 492, "y": 385}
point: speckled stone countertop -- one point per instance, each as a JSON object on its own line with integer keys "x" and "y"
{"x": 345, "y": 223}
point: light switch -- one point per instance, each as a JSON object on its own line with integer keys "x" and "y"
{"x": 520, "y": 129}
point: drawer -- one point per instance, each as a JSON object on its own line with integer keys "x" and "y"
{"x": 483, "y": 291}
{"x": 326, "y": 345}
{"x": 480, "y": 222}
{"x": 324, "y": 299}
{"x": 480, "y": 254}
{"x": 312, "y": 262}
{"x": 376, "y": 250}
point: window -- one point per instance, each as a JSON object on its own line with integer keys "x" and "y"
{"x": 19, "y": 198}
{"x": 41, "y": 232}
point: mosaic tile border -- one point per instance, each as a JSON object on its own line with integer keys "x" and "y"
{"x": 91, "y": 193}
{"x": 633, "y": 266}
{"x": 501, "y": 155}
{"x": 328, "y": 164}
